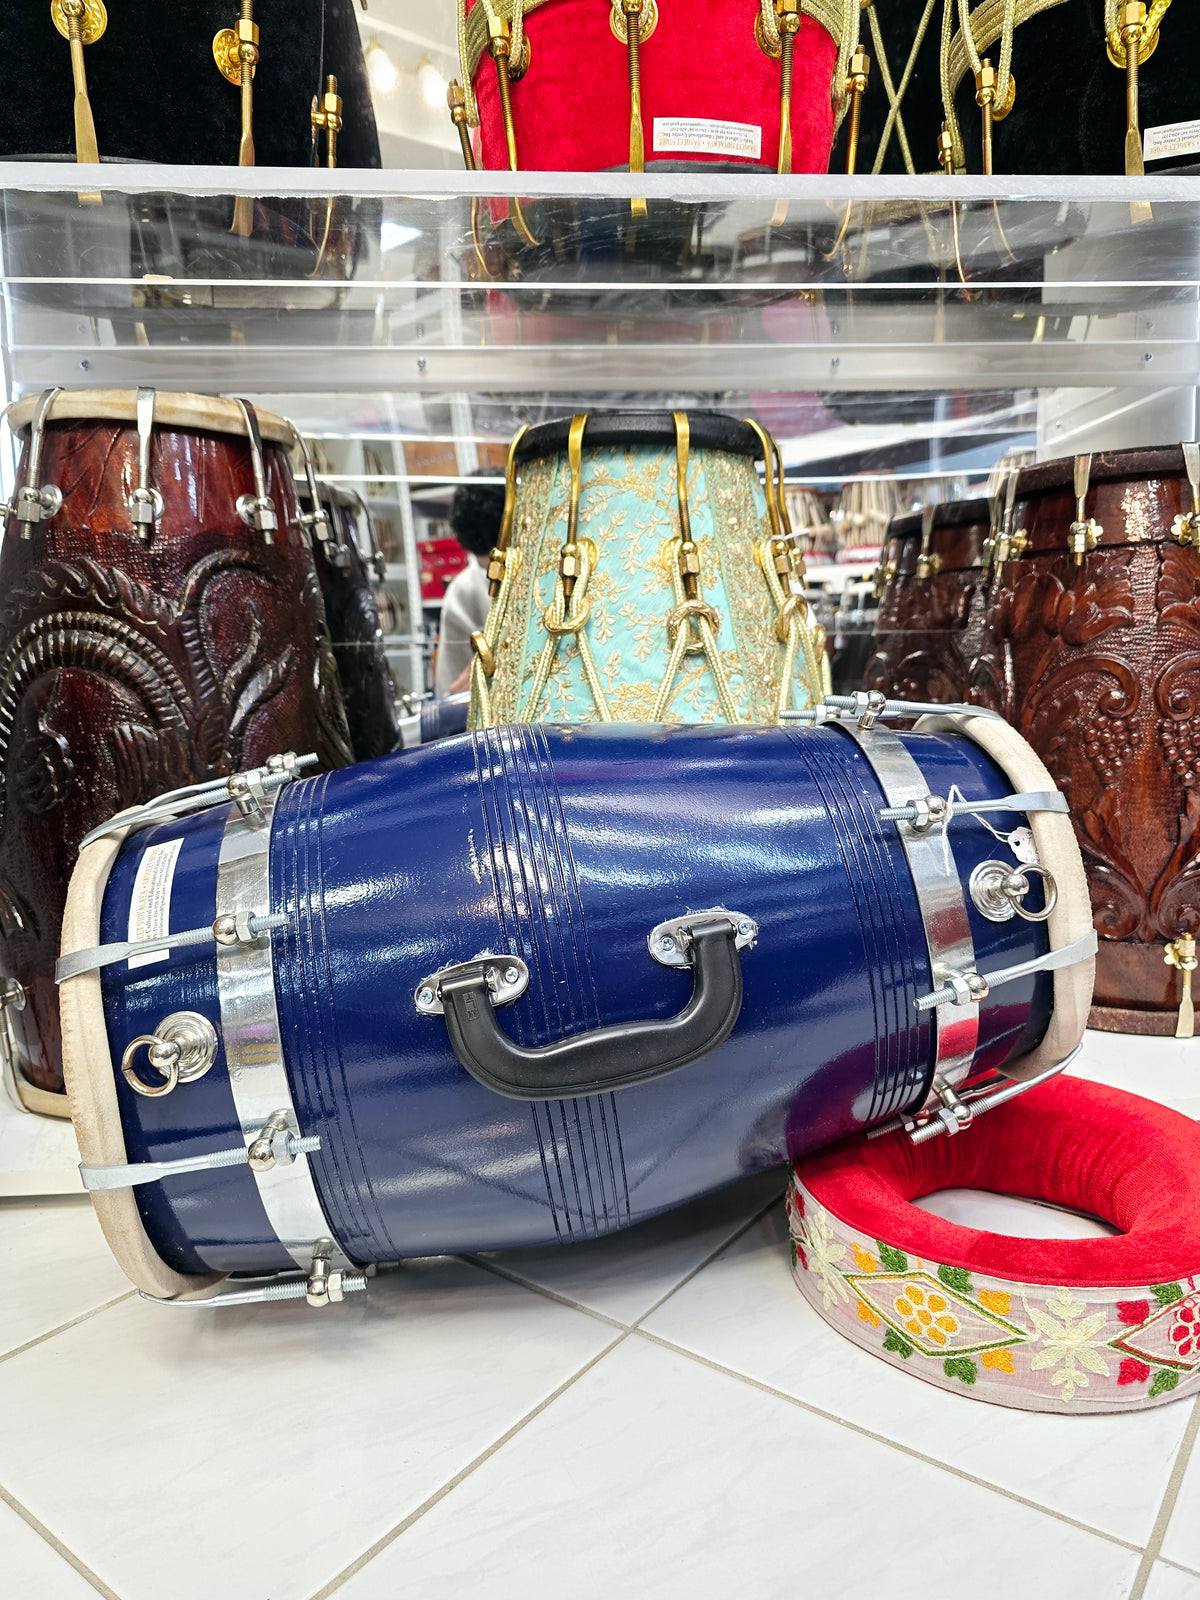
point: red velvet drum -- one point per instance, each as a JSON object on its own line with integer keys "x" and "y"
{"x": 138, "y": 655}
{"x": 710, "y": 94}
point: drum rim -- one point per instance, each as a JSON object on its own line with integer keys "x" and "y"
{"x": 949, "y": 514}
{"x": 205, "y": 413}
{"x": 1108, "y": 466}
{"x": 710, "y": 430}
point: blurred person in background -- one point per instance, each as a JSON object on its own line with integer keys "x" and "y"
{"x": 475, "y": 523}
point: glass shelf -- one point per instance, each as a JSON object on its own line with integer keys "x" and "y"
{"x": 932, "y": 314}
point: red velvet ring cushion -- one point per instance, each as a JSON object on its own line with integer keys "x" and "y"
{"x": 1130, "y": 1161}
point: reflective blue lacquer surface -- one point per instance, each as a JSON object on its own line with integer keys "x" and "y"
{"x": 564, "y": 846}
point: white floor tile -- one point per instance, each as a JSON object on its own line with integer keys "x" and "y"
{"x": 1167, "y": 1070}
{"x": 625, "y": 1274}
{"x": 1169, "y": 1583}
{"x": 56, "y": 1265}
{"x": 656, "y": 1477}
{"x": 1182, "y": 1541}
{"x": 745, "y": 1312}
{"x": 38, "y": 1155}
{"x": 256, "y": 1452}
{"x": 32, "y": 1570}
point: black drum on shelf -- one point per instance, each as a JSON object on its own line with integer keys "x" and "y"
{"x": 193, "y": 116}
{"x": 349, "y": 567}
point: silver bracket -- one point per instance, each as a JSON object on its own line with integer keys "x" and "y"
{"x": 279, "y": 1143}
{"x": 868, "y": 707}
{"x": 282, "y": 1146}
{"x": 32, "y": 504}
{"x": 320, "y": 1287}
{"x": 957, "y": 1112}
{"x": 669, "y": 942}
{"x": 277, "y": 771}
{"x": 145, "y": 503}
{"x": 257, "y": 510}
{"x": 507, "y": 980}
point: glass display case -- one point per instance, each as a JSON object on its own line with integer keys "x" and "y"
{"x": 917, "y": 327}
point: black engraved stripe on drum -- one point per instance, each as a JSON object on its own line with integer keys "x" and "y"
{"x": 884, "y": 903}
{"x": 540, "y": 917}
{"x": 323, "y": 1092}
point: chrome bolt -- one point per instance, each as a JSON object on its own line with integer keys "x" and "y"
{"x": 666, "y": 944}
{"x": 225, "y": 929}
{"x": 511, "y": 975}
{"x": 425, "y": 996}
{"x": 743, "y": 928}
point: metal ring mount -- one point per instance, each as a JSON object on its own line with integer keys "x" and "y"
{"x": 170, "y": 1070}
{"x": 692, "y": 608}
{"x": 998, "y": 891}
{"x": 183, "y": 1047}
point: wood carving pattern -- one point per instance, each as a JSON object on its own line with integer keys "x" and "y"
{"x": 1099, "y": 668}
{"x": 127, "y": 668}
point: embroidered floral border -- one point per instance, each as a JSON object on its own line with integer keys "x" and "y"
{"x": 1027, "y": 1345}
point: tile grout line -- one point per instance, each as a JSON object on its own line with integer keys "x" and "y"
{"x": 1170, "y": 1495}
{"x": 56, "y": 1545}
{"x": 601, "y": 1316}
{"x": 892, "y": 1444}
{"x": 62, "y": 1327}
{"x": 473, "y": 1465}
{"x": 499, "y": 1271}
{"x": 1165, "y": 1561}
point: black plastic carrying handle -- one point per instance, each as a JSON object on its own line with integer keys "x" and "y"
{"x": 606, "y": 1058}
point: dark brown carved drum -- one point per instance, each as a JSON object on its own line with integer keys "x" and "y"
{"x": 1095, "y": 657}
{"x": 134, "y": 662}
{"x": 931, "y": 571}
{"x": 347, "y": 574}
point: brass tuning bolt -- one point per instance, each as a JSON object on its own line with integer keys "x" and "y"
{"x": 1181, "y": 954}
{"x": 946, "y": 149}
{"x": 500, "y": 48}
{"x": 235, "y": 50}
{"x": 327, "y": 115}
{"x": 993, "y": 109}
{"x": 1133, "y": 21}
{"x": 81, "y": 22}
{"x": 855, "y": 86}
{"x": 456, "y": 99}
{"x": 787, "y": 15}
{"x": 632, "y": 13}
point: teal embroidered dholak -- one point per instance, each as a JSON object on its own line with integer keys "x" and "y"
{"x": 628, "y": 586}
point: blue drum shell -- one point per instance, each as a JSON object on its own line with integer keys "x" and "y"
{"x": 564, "y": 845}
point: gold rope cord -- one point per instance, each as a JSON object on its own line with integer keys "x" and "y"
{"x": 896, "y": 95}
{"x": 961, "y": 55}
{"x": 503, "y": 567}
{"x": 691, "y": 610}
{"x": 791, "y": 621}
{"x": 567, "y": 613}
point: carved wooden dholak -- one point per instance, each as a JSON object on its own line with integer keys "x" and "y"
{"x": 928, "y": 630}
{"x": 1092, "y": 649}
{"x": 160, "y": 623}
{"x": 347, "y": 573}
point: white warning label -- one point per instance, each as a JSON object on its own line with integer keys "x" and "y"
{"x": 700, "y": 136}
{"x": 150, "y": 906}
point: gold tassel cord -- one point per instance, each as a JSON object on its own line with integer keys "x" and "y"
{"x": 567, "y": 613}
{"x": 682, "y": 558}
{"x": 503, "y": 566}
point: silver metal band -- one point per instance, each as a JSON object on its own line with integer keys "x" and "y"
{"x": 940, "y": 898}
{"x": 253, "y": 1047}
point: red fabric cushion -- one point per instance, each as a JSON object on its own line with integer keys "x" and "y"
{"x": 1127, "y": 1160}
{"x": 571, "y": 109}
